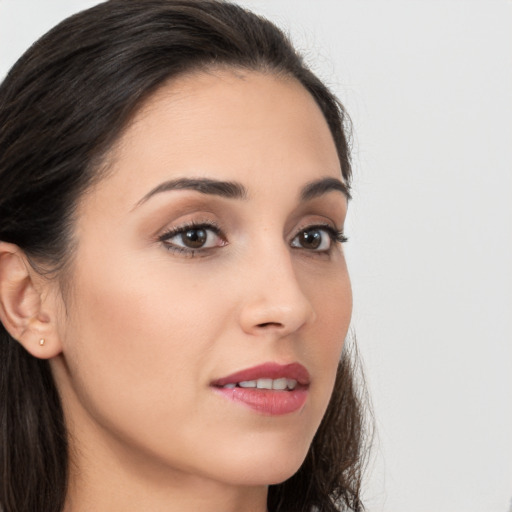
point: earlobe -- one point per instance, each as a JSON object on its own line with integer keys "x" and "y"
{"x": 22, "y": 311}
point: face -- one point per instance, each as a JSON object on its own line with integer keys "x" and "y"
{"x": 208, "y": 257}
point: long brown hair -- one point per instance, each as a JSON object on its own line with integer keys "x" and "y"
{"x": 62, "y": 106}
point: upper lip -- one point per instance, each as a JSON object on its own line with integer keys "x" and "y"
{"x": 294, "y": 371}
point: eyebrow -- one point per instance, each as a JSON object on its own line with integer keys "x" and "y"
{"x": 227, "y": 189}
{"x": 323, "y": 186}
{"x": 235, "y": 190}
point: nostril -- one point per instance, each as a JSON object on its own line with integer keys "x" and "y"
{"x": 270, "y": 324}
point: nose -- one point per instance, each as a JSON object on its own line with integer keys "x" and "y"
{"x": 274, "y": 301}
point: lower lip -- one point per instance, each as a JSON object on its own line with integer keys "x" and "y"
{"x": 267, "y": 401}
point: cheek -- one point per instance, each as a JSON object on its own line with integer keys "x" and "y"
{"x": 332, "y": 297}
{"x": 138, "y": 336}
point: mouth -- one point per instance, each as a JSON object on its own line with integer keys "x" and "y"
{"x": 281, "y": 384}
{"x": 270, "y": 389}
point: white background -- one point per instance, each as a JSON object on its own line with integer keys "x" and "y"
{"x": 429, "y": 87}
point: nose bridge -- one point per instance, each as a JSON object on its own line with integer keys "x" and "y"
{"x": 274, "y": 299}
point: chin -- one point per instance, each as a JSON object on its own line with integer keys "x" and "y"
{"x": 264, "y": 467}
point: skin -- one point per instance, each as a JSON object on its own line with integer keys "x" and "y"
{"x": 143, "y": 328}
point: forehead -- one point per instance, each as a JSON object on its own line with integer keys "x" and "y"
{"x": 229, "y": 125}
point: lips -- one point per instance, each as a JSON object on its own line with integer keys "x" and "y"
{"x": 270, "y": 388}
{"x": 274, "y": 371}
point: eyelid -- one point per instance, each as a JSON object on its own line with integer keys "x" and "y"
{"x": 336, "y": 236}
{"x": 176, "y": 230}
{"x": 170, "y": 233}
{"x": 331, "y": 228}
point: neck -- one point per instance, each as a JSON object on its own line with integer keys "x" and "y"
{"x": 108, "y": 478}
{"x": 104, "y": 484}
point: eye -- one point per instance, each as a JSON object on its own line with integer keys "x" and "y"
{"x": 191, "y": 238}
{"x": 317, "y": 238}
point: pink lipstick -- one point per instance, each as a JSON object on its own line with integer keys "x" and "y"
{"x": 270, "y": 388}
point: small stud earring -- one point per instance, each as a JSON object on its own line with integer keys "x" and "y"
{"x": 41, "y": 342}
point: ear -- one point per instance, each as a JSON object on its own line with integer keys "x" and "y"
{"x": 26, "y": 307}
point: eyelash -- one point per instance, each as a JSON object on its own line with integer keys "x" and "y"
{"x": 186, "y": 251}
{"x": 335, "y": 236}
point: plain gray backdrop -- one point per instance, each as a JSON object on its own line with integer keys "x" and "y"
{"x": 428, "y": 85}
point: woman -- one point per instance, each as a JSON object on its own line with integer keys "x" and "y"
{"x": 173, "y": 292}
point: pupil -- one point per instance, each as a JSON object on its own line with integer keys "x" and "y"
{"x": 311, "y": 239}
{"x": 194, "y": 238}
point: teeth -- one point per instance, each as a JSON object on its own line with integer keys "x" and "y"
{"x": 264, "y": 383}
{"x": 247, "y": 384}
{"x": 291, "y": 383}
{"x": 278, "y": 384}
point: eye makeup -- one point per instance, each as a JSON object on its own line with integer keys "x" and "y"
{"x": 201, "y": 238}
{"x": 192, "y": 238}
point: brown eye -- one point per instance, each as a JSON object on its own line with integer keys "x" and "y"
{"x": 310, "y": 239}
{"x": 194, "y": 238}
{"x": 314, "y": 238}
